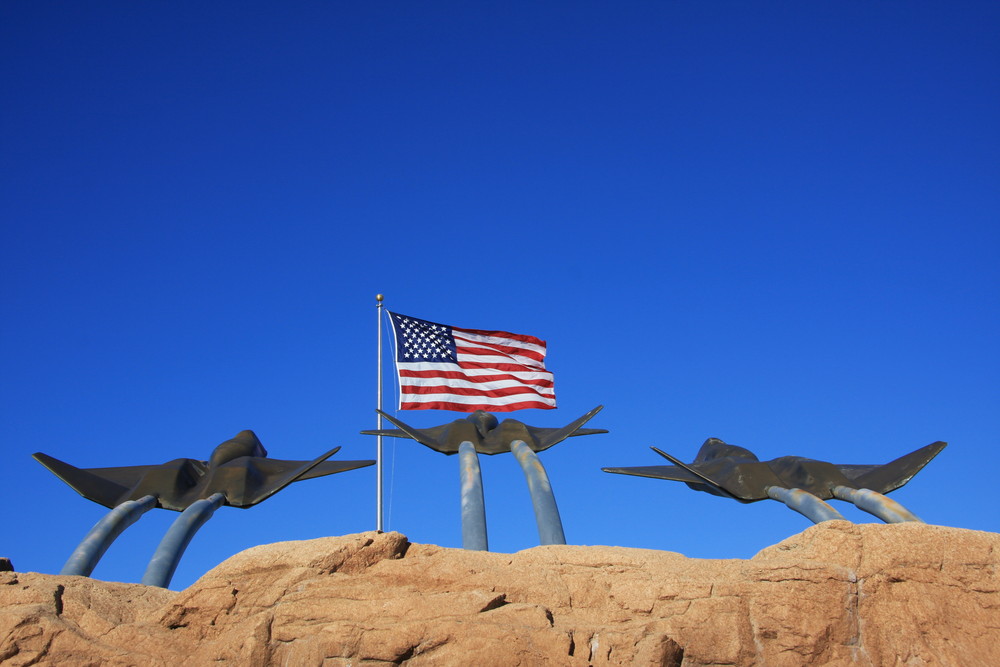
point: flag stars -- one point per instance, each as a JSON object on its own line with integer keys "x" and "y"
{"x": 424, "y": 341}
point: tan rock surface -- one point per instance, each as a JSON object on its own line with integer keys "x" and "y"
{"x": 838, "y": 593}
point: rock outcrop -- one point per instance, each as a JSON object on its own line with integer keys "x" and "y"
{"x": 838, "y": 593}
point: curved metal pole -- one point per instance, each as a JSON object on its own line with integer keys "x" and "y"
{"x": 161, "y": 566}
{"x": 88, "y": 553}
{"x": 875, "y": 503}
{"x": 550, "y": 530}
{"x": 805, "y": 504}
{"x": 473, "y": 504}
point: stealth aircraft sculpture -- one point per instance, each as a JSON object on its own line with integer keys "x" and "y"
{"x": 481, "y": 433}
{"x": 488, "y": 435}
{"x": 238, "y": 474}
{"x": 801, "y": 483}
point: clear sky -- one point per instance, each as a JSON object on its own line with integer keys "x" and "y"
{"x": 775, "y": 223}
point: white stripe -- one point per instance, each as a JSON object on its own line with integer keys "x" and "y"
{"x": 498, "y": 340}
{"x": 473, "y": 400}
{"x": 498, "y": 357}
{"x": 490, "y": 359}
{"x": 479, "y": 386}
{"x": 454, "y": 368}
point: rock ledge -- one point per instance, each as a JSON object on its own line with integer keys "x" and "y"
{"x": 837, "y": 593}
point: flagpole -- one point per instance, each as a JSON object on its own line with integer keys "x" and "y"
{"x": 378, "y": 457}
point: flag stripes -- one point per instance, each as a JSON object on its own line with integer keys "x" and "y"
{"x": 450, "y": 368}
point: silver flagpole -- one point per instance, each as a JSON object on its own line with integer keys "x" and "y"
{"x": 378, "y": 456}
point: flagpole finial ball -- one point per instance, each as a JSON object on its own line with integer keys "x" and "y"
{"x": 378, "y": 297}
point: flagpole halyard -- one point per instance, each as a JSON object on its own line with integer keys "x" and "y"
{"x": 378, "y": 456}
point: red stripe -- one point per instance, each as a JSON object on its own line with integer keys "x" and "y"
{"x": 504, "y": 334}
{"x": 504, "y": 350}
{"x": 455, "y": 375}
{"x": 468, "y": 391}
{"x": 462, "y": 407}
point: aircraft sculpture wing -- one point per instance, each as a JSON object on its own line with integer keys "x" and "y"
{"x": 278, "y": 474}
{"x": 547, "y": 437}
{"x": 425, "y": 436}
{"x": 445, "y": 438}
{"x": 892, "y": 475}
{"x": 105, "y": 486}
{"x": 658, "y": 472}
{"x": 855, "y": 471}
{"x": 680, "y": 472}
{"x": 587, "y": 431}
{"x": 387, "y": 432}
{"x": 278, "y": 467}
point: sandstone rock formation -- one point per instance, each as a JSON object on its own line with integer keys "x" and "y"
{"x": 838, "y": 593}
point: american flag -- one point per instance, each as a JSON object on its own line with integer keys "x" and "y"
{"x": 448, "y": 368}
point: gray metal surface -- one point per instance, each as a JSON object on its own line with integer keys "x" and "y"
{"x": 734, "y": 472}
{"x": 238, "y": 473}
{"x": 473, "y": 504}
{"x": 801, "y": 483}
{"x": 238, "y": 468}
{"x": 164, "y": 562}
{"x": 550, "y": 529}
{"x": 88, "y": 553}
{"x": 876, "y": 504}
{"x": 489, "y": 435}
{"x": 805, "y": 504}
{"x": 482, "y": 433}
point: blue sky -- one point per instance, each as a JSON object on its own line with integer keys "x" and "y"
{"x": 772, "y": 223}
